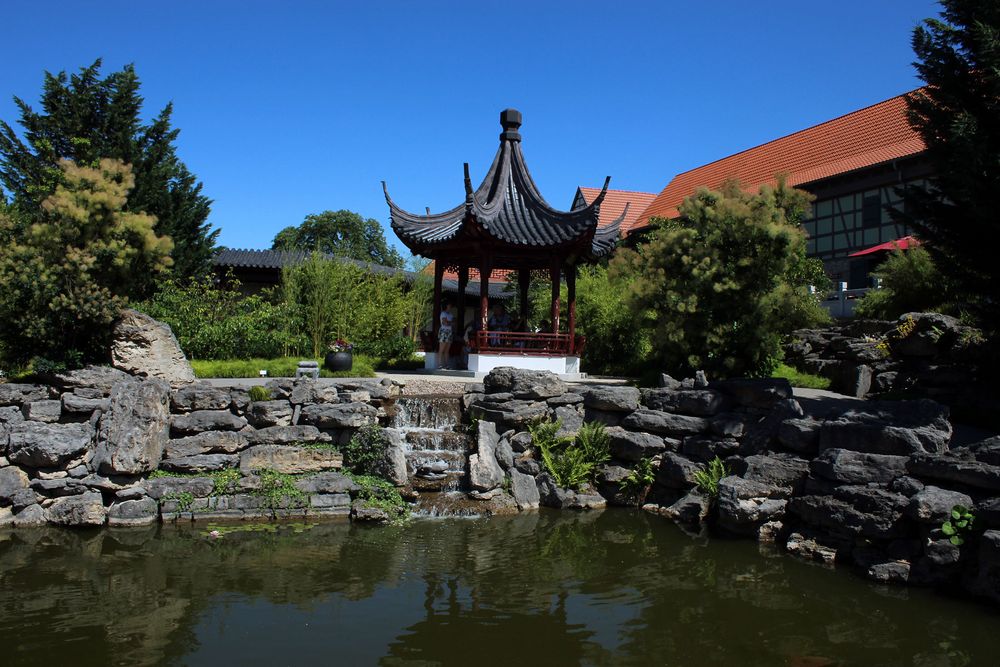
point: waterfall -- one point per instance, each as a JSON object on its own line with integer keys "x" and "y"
{"x": 436, "y": 444}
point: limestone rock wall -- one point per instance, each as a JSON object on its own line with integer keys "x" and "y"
{"x": 98, "y": 446}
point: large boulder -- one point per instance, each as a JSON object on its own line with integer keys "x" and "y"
{"x": 326, "y": 482}
{"x": 784, "y": 475}
{"x": 524, "y": 384}
{"x": 209, "y": 442}
{"x": 967, "y": 472}
{"x": 762, "y": 394}
{"x": 19, "y": 394}
{"x": 289, "y": 459}
{"x": 845, "y": 466}
{"x": 664, "y": 423}
{"x": 693, "y": 508}
{"x": 889, "y": 427}
{"x": 162, "y": 488}
{"x": 611, "y": 398}
{"x": 745, "y": 505}
{"x": 82, "y": 510}
{"x": 524, "y": 490}
{"x": 133, "y": 432}
{"x": 933, "y": 505}
{"x": 199, "y": 463}
{"x": 137, "y": 512}
{"x": 200, "y": 421}
{"x": 38, "y": 445}
{"x": 141, "y": 345}
{"x": 395, "y": 457}
{"x": 853, "y": 511}
{"x": 270, "y": 413}
{"x": 200, "y": 396}
{"x": 695, "y": 402}
{"x": 12, "y": 480}
{"x": 339, "y": 415}
{"x": 634, "y": 446}
{"x": 99, "y": 378}
{"x": 485, "y": 474}
{"x": 676, "y": 472}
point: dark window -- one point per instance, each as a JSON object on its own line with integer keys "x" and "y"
{"x": 871, "y": 212}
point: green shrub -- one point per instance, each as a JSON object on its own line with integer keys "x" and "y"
{"x": 219, "y": 322}
{"x": 397, "y": 347}
{"x": 278, "y": 490}
{"x": 380, "y": 494}
{"x": 799, "y": 378}
{"x": 365, "y": 453}
{"x": 910, "y": 283}
{"x": 571, "y": 462}
{"x": 226, "y": 481}
{"x": 259, "y": 393}
{"x": 636, "y": 484}
{"x": 708, "y": 477}
{"x": 280, "y": 367}
{"x": 959, "y": 526}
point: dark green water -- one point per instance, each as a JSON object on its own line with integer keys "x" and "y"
{"x": 552, "y": 588}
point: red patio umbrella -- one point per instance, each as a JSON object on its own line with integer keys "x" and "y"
{"x": 904, "y": 243}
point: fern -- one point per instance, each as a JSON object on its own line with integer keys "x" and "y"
{"x": 708, "y": 478}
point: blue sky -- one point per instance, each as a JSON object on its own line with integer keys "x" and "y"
{"x": 292, "y": 108}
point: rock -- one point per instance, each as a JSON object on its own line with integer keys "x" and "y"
{"x": 327, "y": 482}
{"x": 485, "y": 473}
{"x": 206, "y": 420}
{"x": 48, "y": 411}
{"x": 330, "y": 504}
{"x": 889, "y": 427}
{"x": 527, "y": 465}
{"x": 12, "y": 480}
{"x": 987, "y": 451}
{"x": 665, "y": 423}
{"x": 852, "y": 379}
{"x": 570, "y": 421}
{"x": 209, "y": 442}
{"x": 38, "y": 445}
{"x": 91, "y": 381}
{"x": 520, "y": 442}
{"x": 270, "y": 413}
{"x": 695, "y": 402}
{"x": 941, "y": 552}
{"x": 11, "y": 414}
{"x": 611, "y": 398}
{"x": 985, "y": 580}
{"x": 162, "y": 488}
{"x": 810, "y": 549}
{"x": 667, "y": 382}
{"x": 200, "y": 463}
{"x": 200, "y": 396}
{"x": 524, "y": 490}
{"x": 339, "y": 415}
{"x": 883, "y": 571}
{"x": 138, "y": 512}
{"x": 32, "y": 515}
{"x": 785, "y": 475}
{"x": 933, "y": 505}
{"x": 79, "y": 405}
{"x": 289, "y": 459}
{"x": 908, "y": 486}
{"x": 133, "y": 432}
{"x": 395, "y": 457}
{"x": 21, "y": 394}
{"x": 762, "y": 394}
{"x": 800, "y": 435}
{"x": 360, "y": 511}
{"x": 565, "y": 399}
{"x": 504, "y": 453}
{"x": 845, "y": 466}
{"x": 704, "y": 448}
{"x": 761, "y": 434}
{"x": 287, "y": 435}
{"x": 142, "y": 346}
{"x": 58, "y": 487}
{"x": 83, "y": 510}
{"x": 973, "y": 474}
{"x": 676, "y": 472}
{"x": 727, "y": 425}
{"x": 858, "y": 512}
{"x": 515, "y": 414}
{"x": 307, "y": 390}
{"x": 744, "y": 505}
{"x": 633, "y": 446}
{"x": 691, "y": 509}
{"x": 524, "y": 384}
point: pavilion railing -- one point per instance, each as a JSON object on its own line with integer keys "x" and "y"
{"x": 517, "y": 342}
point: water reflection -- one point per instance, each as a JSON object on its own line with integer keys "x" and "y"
{"x": 563, "y": 588}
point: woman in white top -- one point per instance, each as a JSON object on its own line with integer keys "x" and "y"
{"x": 445, "y": 334}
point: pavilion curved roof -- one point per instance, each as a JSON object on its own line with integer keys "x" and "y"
{"x": 507, "y": 209}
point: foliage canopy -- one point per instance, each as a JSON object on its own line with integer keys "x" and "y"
{"x": 343, "y": 234}
{"x": 86, "y": 118}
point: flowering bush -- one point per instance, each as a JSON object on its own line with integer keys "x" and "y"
{"x": 340, "y": 345}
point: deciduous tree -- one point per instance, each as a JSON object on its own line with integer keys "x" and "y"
{"x": 341, "y": 233}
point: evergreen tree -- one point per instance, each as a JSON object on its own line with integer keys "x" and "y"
{"x": 958, "y": 115}
{"x": 719, "y": 286}
{"x": 67, "y": 275}
{"x": 85, "y": 118}
{"x": 341, "y": 233}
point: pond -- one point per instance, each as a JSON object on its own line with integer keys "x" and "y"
{"x": 555, "y": 588}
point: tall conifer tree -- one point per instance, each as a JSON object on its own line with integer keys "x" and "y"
{"x": 958, "y": 115}
{"x": 85, "y": 118}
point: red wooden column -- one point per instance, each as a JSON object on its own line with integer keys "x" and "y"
{"x": 485, "y": 269}
{"x": 463, "y": 282}
{"x": 571, "y": 306}
{"x": 438, "y": 277}
{"x": 523, "y": 283}
{"x": 554, "y": 277}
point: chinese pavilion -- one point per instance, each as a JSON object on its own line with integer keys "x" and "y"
{"x": 505, "y": 223}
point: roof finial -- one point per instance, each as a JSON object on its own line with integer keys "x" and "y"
{"x": 510, "y": 119}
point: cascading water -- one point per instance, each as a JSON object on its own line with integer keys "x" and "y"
{"x": 437, "y": 452}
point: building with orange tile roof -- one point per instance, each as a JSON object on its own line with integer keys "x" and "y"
{"x": 616, "y": 203}
{"x": 853, "y": 165}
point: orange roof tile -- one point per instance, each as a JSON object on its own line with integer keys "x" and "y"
{"x": 862, "y": 138}
{"x": 614, "y": 204}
